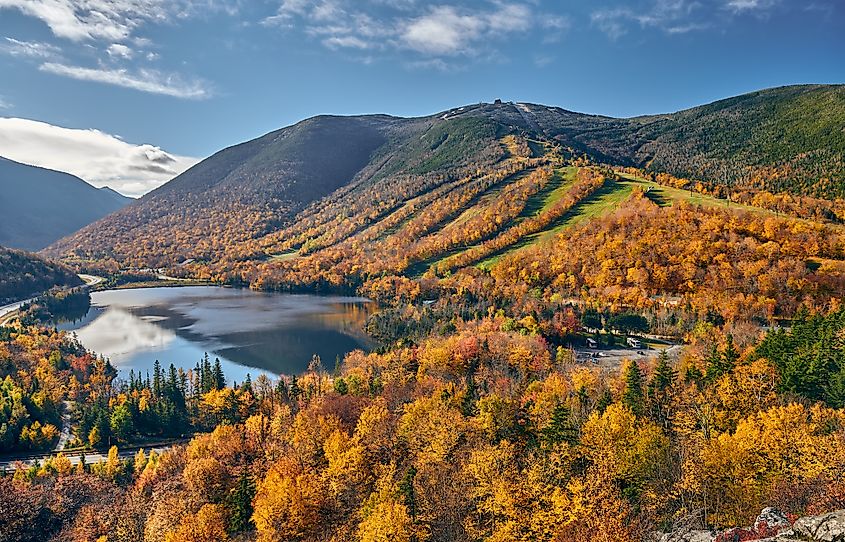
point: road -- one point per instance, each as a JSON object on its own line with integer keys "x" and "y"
{"x": 7, "y": 311}
{"x": 91, "y": 280}
{"x": 11, "y": 464}
{"x": 11, "y": 308}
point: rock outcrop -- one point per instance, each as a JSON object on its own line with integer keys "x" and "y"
{"x": 771, "y": 526}
{"x": 826, "y": 528}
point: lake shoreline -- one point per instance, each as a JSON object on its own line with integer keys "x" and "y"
{"x": 251, "y": 331}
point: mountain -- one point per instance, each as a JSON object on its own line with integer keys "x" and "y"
{"x": 39, "y": 206}
{"x": 336, "y": 183}
{"x": 23, "y": 275}
{"x": 782, "y": 139}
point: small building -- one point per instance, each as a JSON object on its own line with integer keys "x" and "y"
{"x": 591, "y": 343}
{"x": 634, "y": 343}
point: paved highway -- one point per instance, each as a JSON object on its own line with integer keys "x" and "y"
{"x": 11, "y": 464}
{"x": 6, "y": 311}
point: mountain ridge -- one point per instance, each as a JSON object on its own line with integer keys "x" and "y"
{"x": 40, "y": 205}
{"x": 344, "y": 172}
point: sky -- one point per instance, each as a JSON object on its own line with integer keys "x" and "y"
{"x": 129, "y": 93}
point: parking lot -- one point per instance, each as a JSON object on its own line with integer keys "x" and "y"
{"x": 612, "y": 358}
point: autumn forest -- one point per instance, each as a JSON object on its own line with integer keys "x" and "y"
{"x": 586, "y": 329}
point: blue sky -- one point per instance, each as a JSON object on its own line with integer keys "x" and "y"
{"x": 193, "y": 76}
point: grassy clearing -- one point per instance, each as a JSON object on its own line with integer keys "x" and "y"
{"x": 601, "y": 202}
{"x": 290, "y": 255}
{"x": 536, "y": 204}
{"x": 666, "y": 195}
{"x": 608, "y": 199}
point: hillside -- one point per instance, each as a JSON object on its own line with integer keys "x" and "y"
{"x": 255, "y": 188}
{"x": 23, "y": 275}
{"x": 780, "y": 139}
{"x": 342, "y": 199}
{"x": 39, "y": 206}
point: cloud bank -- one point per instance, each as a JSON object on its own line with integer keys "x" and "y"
{"x": 97, "y": 157}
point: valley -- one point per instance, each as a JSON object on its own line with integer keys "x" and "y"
{"x": 504, "y": 321}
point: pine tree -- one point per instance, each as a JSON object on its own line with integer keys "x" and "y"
{"x": 730, "y": 356}
{"x": 664, "y": 375}
{"x": 207, "y": 375}
{"x": 660, "y": 388}
{"x": 219, "y": 378}
{"x": 633, "y": 395}
{"x": 468, "y": 404}
{"x": 157, "y": 380}
{"x": 240, "y": 505}
{"x": 713, "y": 362}
{"x": 295, "y": 390}
{"x": 406, "y": 489}
{"x": 605, "y": 400}
{"x": 282, "y": 390}
{"x": 560, "y": 428}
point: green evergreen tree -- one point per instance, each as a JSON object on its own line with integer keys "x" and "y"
{"x": 730, "y": 355}
{"x": 560, "y": 428}
{"x": 605, "y": 400}
{"x": 295, "y": 391}
{"x": 633, "y": 396}
{"x": 157, "y": 380}
{"x": 664, "y": 375}
{"x": 219, "y": 378}
{"x": 406, "y": 490}
{"x": 121, "y": 424}
{"x": 239, "y": 505}
{"x": 660, "y": 388}
{"x": 470, "y": 398}
{"x": 340, "y": 386}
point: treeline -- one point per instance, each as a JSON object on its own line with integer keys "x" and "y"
{"x": 67, "y": 304}
{"x": 486, "y": 432}
{"x": 23, "y": 275}
{"x": 741, "y": 265}
{"x": 39, "y": 370}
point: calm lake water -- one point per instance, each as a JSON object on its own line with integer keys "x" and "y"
{"x": 251, "y": 332}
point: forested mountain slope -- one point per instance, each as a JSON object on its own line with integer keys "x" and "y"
{"x": 782, "y": 139}
{"x": 39, "y": 206}
{"x": 23, "y": 275}
{"x": 358, "y": 184}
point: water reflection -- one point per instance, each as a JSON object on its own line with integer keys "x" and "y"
{"x": 249, "y": 331}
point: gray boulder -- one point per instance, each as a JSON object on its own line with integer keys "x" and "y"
{"x": 688, "y": 536}
{"x": 771, "y": 520}
{"x": 826, "y": 528}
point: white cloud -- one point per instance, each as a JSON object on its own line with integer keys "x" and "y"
{"x": 677, "y": 16}
{"x": 112, "y": 20}
{"x": 28, "y": 49}
{"x": 670, "y": 16}
{"x": 97, "y": 157}
{"x": 79, "y": 20}
{"x": 738, "y": 6}
{"x": 347, "y": 42}
{"x": 118, "y": 50}
{"x": 442, "y": 32}
{"x": 434, "y": 32}
{"x": 4, "y": 104}
{"x": 143, "y": 80}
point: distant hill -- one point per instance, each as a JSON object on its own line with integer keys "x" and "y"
{"x": 23, "y": 275}
{"x": 328, "y": 180}
{"x": 39, "y": 206}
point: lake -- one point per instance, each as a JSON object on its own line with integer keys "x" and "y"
{"x": 251, "y": 332}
